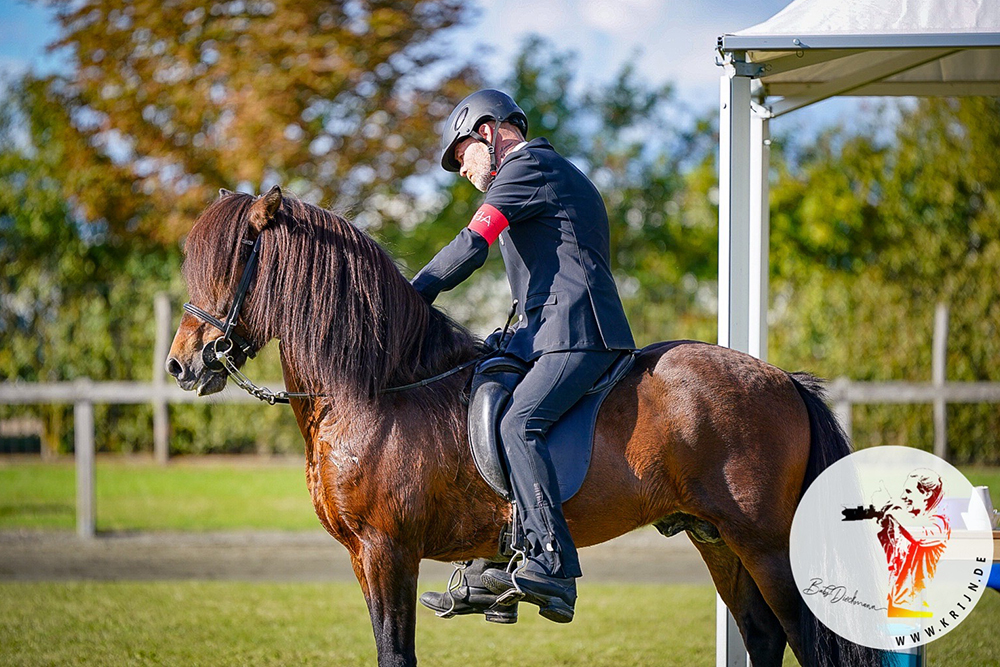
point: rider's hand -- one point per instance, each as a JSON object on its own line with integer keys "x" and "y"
{"x": 497, "y": 340}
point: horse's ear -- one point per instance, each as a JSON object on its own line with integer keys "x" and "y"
{"x": 224, "y": 193}
{"x": 263, "y": 209}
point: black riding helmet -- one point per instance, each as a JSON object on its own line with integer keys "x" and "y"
{"x": 469, "y": 114}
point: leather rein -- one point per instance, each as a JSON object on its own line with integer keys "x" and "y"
{"x": 217, "y": 354}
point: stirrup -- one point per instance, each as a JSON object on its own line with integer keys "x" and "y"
{"x": 520, "y": 554}
{"x": 455, "y": 582}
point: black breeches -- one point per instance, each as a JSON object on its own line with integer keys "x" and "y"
{"x": 554, "y": 384}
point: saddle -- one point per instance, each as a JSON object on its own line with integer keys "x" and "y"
{"x": 570, "y": 440}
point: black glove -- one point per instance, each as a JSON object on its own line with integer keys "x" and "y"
{"x": 498, "y": 340}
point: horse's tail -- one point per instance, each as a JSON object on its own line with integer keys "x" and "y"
{"x": 828, "y": 444}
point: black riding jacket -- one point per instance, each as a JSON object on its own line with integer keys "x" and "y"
{"x": 553, "y": 232}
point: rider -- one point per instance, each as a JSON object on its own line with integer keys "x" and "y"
{"x": 553, "y": 231}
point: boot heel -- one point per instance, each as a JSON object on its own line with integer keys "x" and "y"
{"x": 503, "y": 616}
{"x": 557, "y": 612}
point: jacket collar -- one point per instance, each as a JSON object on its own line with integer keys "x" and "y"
{"x": 539, "y": 142}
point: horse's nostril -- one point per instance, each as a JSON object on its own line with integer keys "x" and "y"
{"x": 174, "y": 367}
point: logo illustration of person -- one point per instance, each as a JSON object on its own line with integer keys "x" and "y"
{"x": 913, "y": 538}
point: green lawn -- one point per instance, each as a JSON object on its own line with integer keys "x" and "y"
{"x": 212, "y": 623}
{"x": 277, "y": 624}
{"x": 984, "y": 476}
{"x": 198, "y": 496}
{"x": 140, "y": 495}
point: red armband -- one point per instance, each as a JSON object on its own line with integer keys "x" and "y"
{"x": 488, "y": 222}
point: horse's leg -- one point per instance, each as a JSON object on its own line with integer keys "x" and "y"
{"x": 762, "y": 631}
{"x": 772, "y": 572}
{"x": 388, "y": 577}
{"x": 812, "y": 642}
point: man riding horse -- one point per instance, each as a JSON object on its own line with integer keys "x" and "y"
{"x": 553, "y": 231}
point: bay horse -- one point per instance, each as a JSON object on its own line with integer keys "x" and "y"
{"x": 696, "y": 437}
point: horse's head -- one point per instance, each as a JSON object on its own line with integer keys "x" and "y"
{"x": 219, "y": 269}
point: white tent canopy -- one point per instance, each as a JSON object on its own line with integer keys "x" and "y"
{"x": 810, "y": 51}
{"x": 814, "y": 49}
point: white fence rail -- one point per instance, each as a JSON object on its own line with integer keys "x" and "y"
{"x": 82, "y": 395}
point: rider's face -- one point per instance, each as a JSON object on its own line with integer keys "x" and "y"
{"x": 474, "y": 159}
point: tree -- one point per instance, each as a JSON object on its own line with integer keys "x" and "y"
{"x": 870, "y": 229}
{"x": 165, "y": 102}
{"x": 162, "y": 104}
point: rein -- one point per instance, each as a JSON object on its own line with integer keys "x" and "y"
{"x": 270, "y": 397}
{"x": 217, "y": 354}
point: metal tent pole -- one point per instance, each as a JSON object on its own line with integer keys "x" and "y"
{"x": 760, "y": 166}
{"x": 734, "y": 275}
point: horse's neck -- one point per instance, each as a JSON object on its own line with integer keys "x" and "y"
{"x": 320, "y": 414}
{"x": 420, "y": 341}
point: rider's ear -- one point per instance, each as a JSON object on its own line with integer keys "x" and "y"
{"x": 263, "y": 209}
{"x": 486, "y": 131}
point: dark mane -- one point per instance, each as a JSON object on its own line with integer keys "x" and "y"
{"x": 328, "y": 291}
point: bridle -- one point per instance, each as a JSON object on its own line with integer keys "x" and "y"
{"x": 221, "y": 347}
{"x": 217, "y": 354}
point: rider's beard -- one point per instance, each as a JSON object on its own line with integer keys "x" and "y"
{"x": 482, "y": 181}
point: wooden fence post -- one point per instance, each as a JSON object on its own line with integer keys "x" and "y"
{"x": 161, "y": 412}
{"x": 939, "y": 353}
{"x": 83, "y": 437}
{"x": 840, "y": 390}
{"x": 845, "y": 415}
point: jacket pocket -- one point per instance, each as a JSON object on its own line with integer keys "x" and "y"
{"x": 533, "y": 301}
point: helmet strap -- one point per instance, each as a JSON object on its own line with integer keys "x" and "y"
{"x": 491, "y": 146}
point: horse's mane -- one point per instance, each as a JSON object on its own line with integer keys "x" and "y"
{"x": 334, "y": 297}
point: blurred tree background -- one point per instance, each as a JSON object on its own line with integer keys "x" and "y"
{"x": 104, "y": 167}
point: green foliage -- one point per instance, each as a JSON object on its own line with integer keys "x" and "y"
{"x": 870, "y": 230}
{"x": 76, "y": 301}
{"x": 163, "y": 103}
{"x": 103, "y": 167}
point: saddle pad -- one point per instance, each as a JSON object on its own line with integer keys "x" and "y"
{"x": 570, "y": 440}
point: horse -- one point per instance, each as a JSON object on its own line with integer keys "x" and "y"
{"x": 696, "y": 437}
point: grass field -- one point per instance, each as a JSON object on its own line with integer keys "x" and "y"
{"x": 211, "y": 623}
{"x": 139, "y": 495}
{"x": 198, "y": 496}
